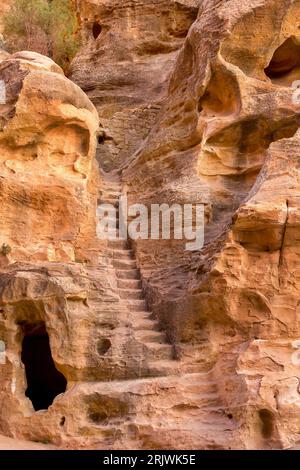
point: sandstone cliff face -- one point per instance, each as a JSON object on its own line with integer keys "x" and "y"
{"x": 129, "y": 49}
{"x": 197, "y": 105}
{"x": 227, "y": 136}
{"x": 68, "y": 332}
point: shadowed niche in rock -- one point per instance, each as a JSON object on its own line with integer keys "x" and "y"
{"x": 101, "y": 408}
{"x": 103, "y": 346}
{"x": 285, "y": 64}
{"x": 44, "y": 381}
{"x": 221, "y": 97}
{"x": 267, "y": 423}
{"x": 97, "y": 29}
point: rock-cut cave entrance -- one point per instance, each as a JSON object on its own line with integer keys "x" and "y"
{"x": 284, "y": 67}
{"x": 44, "y": 381}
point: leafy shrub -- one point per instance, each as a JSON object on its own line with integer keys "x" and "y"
{"x": 49, "y": 27}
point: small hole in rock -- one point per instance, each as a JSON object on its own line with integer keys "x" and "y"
{"x": 62, "y": 421}
{"x": 230, "y": 416}
{"x": 97, "y": 28}
{"x": 101, "y": 139}
{"x": 103, "y": 346}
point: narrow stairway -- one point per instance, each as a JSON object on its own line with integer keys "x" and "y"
{"x": 129, "y": 283}
{"x": 190, "y": 407}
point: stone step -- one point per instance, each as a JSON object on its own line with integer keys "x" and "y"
{"x": 110, "y": 194}
{"x": 118, "y": 244}
{"x": 193, "y": 368}
{"x": 114, "y": 202}
{"x": 129, "y": 284}
{"x": 109, "y": 197}
{"x": 163, "y": 368}
{"x": 108, "y": 176}
{"x": 136, "y": 305}
{"x": 128, "y": 274}
{"x": 131, "y": 294}
{"x": 150, "y": 336}
{"x": 110, "y": 235}
{"x": 114, "y": 185}
{"x": 145, "y": 324}
{"x": 123, "y": 254}
{"x": 200, "y": 387}
{"x": 125, "y": 264}
{"x": 111, "y": 180}
{"x": 143, "y": 315}
{"x": 111, "y": 186}
{"x": 203, "y": 399}
{"x": 158, "y": 352}
{"x": 109, "y": 190}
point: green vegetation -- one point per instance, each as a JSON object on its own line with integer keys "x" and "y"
{"x": 49, "y": 27}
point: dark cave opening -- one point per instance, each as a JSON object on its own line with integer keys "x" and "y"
{"x": 44, "y": 381}
{"x": 101, "y": 139}
{"x": 97, "y": 28}
{"x": 285, "y": 59}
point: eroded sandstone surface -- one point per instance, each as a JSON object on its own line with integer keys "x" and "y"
{"x": 155, "y": 346}
{"x": 124, "y": 66}
{"x": 47, "y": 142}
{"x": 227, "y": 135}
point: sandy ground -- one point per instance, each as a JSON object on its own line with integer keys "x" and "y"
{"x": 14, "y": 444}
